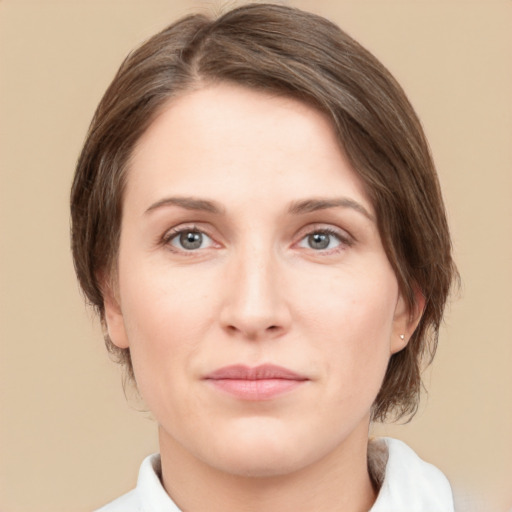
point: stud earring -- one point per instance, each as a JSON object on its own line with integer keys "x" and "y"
{"x": 402, "y": 336}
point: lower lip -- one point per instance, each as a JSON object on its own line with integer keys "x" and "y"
{"x": 260, "y": 389}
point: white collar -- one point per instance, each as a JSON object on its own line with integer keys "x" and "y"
{"x": 408, "y": 484}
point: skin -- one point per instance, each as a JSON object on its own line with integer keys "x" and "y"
{"x": 256, "y": 290}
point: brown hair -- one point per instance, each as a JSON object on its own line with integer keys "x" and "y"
{"x": 286, "y": 51}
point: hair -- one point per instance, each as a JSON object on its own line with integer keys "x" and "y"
{"x": 281, "y": 50}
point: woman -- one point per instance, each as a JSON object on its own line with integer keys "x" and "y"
{"x": 258, "y": 221}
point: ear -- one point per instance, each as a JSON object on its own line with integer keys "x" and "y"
{"x": 405, "y": 321}
{"x": 114, "y": 316}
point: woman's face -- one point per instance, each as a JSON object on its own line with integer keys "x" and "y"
{"x": 253, "y": 290}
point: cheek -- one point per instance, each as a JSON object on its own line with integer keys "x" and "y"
{"x": 351, "y": 321}
{"x": 166, "y": 302}
{"x": 355, "y": 305}
{"x": 166, "y": 315}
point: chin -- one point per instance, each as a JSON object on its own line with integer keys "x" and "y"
{"x": 258, "y": 463}
{"x": 260, "y": 451}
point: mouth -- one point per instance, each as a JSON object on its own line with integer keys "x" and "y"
{"x": 263, "y": 382}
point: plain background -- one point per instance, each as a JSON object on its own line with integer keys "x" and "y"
{"x": 69, "y": 440}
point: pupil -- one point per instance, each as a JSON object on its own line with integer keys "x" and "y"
{"x": 319, "y": 241}
{"x": 191, "y": 240}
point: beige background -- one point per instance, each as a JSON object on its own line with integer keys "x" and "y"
{"x": 69, "y": 441}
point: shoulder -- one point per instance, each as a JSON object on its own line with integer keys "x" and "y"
{"x": 409, "y": 483}
{"x": 148, "y": 495}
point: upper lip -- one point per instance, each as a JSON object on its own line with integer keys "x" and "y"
{"x": 261, "y": 372}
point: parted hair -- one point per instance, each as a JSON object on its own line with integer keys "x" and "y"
{"x": 285, "y": 51}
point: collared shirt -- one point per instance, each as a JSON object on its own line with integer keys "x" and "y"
{"x": 408, "y": 484}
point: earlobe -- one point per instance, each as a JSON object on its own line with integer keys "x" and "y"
{"x": 114, "y": 318}
{"x": 406, "y": 321}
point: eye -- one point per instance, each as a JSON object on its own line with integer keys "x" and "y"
{"x": 322, "y": 240}
{"x": 189, "y": 240}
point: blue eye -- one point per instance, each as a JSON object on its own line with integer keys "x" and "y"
{"x": 321, "y": 240}
{"x": 190, "y": 240}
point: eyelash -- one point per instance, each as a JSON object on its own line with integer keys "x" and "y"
{"x": 344, "y": 240}
{"x": 170, "y": 235}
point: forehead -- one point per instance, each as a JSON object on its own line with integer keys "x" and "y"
{"x": 244, "y": 143}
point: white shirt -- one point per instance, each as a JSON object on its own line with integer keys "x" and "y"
{"x": 409, "y": 485}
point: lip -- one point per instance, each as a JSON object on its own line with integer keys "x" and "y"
{"x": 262, "y": 382}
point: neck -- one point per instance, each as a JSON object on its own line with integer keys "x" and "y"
{"x": 338, "y": 482}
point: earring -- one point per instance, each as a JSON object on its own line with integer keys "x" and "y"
{"x": 402, "y": 336}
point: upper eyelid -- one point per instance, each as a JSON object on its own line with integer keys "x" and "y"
{"x": 186, "y": 226}
{"x": 329, "y": 228}
{"x": 343, "y": 240}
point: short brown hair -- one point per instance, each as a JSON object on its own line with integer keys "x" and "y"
{"x": 290, "y": 52}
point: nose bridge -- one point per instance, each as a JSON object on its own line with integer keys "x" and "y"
{"x": 254, "y": 304}
{"x": 257, "y": 274}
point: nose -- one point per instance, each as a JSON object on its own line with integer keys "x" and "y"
{"x": 255, "y": 306}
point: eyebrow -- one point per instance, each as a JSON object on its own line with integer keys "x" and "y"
{"x": 300, "y": 207}
{"x": 189, "y": 203}
{"x": 316, "y": 204}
